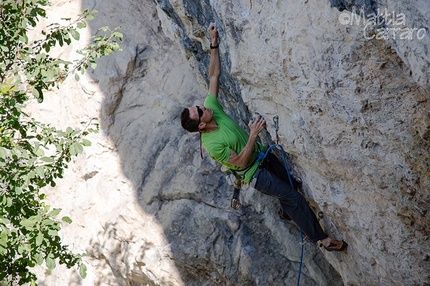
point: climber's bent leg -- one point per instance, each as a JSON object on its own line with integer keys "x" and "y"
{"x": 292, "y": 202}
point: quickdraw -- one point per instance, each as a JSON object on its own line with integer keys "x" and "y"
{"x": 276, "y": 122}
{"x": 235, "y": 203}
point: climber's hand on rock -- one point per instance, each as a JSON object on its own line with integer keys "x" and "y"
{"x": 256, "y": 125}
{"x": 213, "y": 32}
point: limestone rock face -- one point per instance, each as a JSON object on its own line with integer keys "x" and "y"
{"x": 354, "y": 118}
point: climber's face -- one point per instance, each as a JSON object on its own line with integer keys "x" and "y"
{"x": 202, "y": 114}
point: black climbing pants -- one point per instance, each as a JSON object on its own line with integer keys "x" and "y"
{"x": 272, "y": 180}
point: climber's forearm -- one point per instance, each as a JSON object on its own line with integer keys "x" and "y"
{"x": 214, "y": 72}
{"x": 214, "y": 63}
{"x": 242, "y": 159}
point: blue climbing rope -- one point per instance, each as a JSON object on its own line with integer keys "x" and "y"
{"x": 301, "y": 257}
{"x": 262, "y": 155}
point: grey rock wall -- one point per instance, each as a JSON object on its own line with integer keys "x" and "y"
{"x": 354, "y": 119}
{"x": 354, "y": 113}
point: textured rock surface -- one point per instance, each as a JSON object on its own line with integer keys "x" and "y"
{"x": 354, "y": 117}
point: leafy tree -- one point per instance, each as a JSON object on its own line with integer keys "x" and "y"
{"x": 34, "y": 154}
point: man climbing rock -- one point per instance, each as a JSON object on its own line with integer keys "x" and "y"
{"x": 229, "y": 144}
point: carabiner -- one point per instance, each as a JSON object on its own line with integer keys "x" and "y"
{"x": 276, "y": 121}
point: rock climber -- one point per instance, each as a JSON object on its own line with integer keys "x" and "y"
{"x": 228, "y": 143}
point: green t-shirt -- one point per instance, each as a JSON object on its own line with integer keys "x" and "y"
{"x": 229, "y": 135}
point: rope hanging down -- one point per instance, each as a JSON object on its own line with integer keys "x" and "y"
{"x": 263, "y": 155}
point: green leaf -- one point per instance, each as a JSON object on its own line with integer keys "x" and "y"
{"x": 67, "y": 219}
{"x": 23, "y": 248}
{"x": 5, "y": 49}
{"x": 86, "y": 142}
{"x": 31, "y": 175}
{"x": 54, "y": 212}
{"x": 3, "y": 238}
{"x": 47, "y": 159}
{"x": 50, "y": 262}
{"x": 40, "y": 171}
{"x": 77, "y": 78}
{"x": 76, "y": 148}
{"x": 50, "y": 74}
{"x": 48, "y": 221}
{"x": 79, "y": 147}
{"x": 4, "y": 221}
{"x": 28, "y": 222}
{"x": 5, "y": 88}
{"x": 2, "y": 153}
{"x": 81, "y": 25}
{"x": 53, "y": 232}
{"x": 39, "y": 238}
{"x": 38, "y": 258}
{"x": 119, "y": 35}
{"x": 9, "y": 202}
{"x": 72, "y": 150}
{"x": 23, "y": 38}
{"x": 83, "y": 270}
{"x": 75, "y": 34}
{"x": 40, "y": 152}
{"x": 35, "y": 93}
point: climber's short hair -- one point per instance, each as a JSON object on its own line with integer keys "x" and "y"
{"x": 191, "y": 125}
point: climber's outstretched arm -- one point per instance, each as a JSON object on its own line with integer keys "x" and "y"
{"x": 214, "y": 64}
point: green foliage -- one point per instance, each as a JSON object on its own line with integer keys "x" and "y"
{"x": 33, "y": 154}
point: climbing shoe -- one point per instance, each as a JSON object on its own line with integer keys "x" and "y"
{"x": 335, "y": 245}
